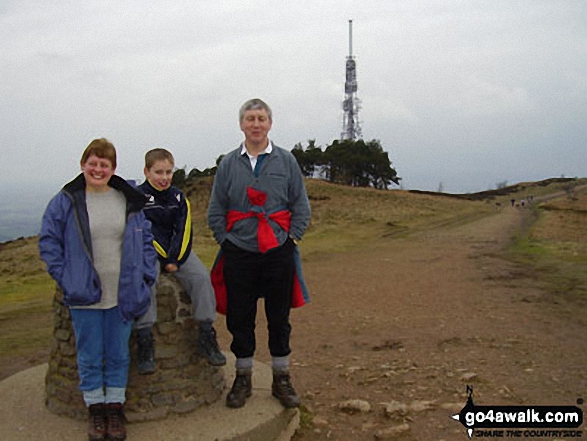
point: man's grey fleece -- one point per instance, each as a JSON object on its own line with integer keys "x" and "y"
{"x": 279, "y": 176}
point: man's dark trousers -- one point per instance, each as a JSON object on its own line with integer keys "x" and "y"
{"x": 249, "y": 276}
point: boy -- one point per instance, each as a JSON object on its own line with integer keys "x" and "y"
{"x": 169, "y": 211}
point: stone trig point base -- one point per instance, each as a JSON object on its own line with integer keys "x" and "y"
{"x": 183, "y": 381}
{"x": 182, "y": 401}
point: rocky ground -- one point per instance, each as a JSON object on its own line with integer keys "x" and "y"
{"x": 395, "y": 333}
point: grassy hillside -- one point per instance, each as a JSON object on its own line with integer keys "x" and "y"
{"x": 26, "y": 294}
{"x": 555, "y": 247}
{"x": 522, "y": 190}
{"x": 343, "y": 219}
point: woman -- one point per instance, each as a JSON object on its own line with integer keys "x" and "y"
{"x": 97, "y": 245}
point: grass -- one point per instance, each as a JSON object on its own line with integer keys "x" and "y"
{"x": 554, "y": 246}
{"x": 306, "y": 420}
{"x": 31, "y": 293}
{"x": 25, "y": 330}
{"x": 343, "y": 219}
{"x": 26, "y": 296}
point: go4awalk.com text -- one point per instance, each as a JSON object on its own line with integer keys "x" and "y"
{"x": 520, "y": 421}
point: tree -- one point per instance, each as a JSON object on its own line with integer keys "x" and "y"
{"x": 195, "y": 173}
{"x": 348, "y": 162}
{"x": 178, "y": 178}
{"x": 309, "y": 160}
{"x": 378, "y": 166}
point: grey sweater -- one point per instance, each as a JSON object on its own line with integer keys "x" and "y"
{"x": 279, "y": 176}
{"x": 107, "y": 215}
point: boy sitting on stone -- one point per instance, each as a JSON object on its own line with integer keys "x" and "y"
{"x": 169, "y": 212}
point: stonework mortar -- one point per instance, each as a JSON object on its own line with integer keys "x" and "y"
{"x": 183, "y": 381}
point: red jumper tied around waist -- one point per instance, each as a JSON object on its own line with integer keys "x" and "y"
{"x": 266, "y": 240}
{"x": 265, "y": 234}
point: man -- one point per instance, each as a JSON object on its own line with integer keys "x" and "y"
{"x": 258, "y": 211}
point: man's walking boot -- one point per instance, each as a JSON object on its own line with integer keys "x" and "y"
{"x": 242, "y": 388}
{"x": 146, "y": 351}
{"x": 97, "y": 422}
{"x": 283, "y": 390}
{"x": 116, "y": 428}
{"x": 208, "y": 347}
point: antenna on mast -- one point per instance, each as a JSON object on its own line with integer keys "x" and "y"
{"x": 351, "y": 104}
{"x": 350, "y": 38}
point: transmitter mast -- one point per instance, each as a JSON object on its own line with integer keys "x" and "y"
{"x": 351, "y": 104}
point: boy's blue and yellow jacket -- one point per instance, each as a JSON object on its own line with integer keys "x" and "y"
{"x": 66, "y": 247}
{"x": 170, "y": 215}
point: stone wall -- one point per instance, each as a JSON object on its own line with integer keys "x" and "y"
{"x": 183, "y": 381}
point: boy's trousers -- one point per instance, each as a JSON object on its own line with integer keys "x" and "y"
{"x": 194, "y": 277}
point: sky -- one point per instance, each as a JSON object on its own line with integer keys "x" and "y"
{"x": 463, "y": 95}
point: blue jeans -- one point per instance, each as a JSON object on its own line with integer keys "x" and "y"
{"x": 103, "y": 356}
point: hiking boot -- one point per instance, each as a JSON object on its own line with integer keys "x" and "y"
{"x": 97, "y": 422}
{"x": 282, "y": 389}
{"x": 116, "y": 428}
{"x": 146, "y": 351}
{"x": 208, "y": 347}
{"x": 242, "y": 388}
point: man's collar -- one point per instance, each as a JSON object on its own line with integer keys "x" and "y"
{"x": 268, "y": 150}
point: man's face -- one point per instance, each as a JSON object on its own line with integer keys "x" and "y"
{"x": 97, "y": 172}
{"x": 256, "y": 125}
{"x": 160, "y": 174}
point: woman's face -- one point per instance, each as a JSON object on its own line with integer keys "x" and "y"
{"x": 97, "y": 172}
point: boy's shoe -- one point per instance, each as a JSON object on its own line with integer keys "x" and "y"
{"x": 282, "y": 389}
{"x": 116, "y": 429}
{"x": 242, "y": 388}
{"x": 97, "y": 422}
{"x": 208, "y": 347}
{"x": 146, "y": 351}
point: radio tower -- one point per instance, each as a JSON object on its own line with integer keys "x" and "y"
{"x": 351, "y": 104}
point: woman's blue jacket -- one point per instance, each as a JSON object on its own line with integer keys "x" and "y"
{"x": 66, "y": 247}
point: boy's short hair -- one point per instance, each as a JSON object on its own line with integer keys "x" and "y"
{"x": 102, "y": 148}
{"x": 158, "y": 154}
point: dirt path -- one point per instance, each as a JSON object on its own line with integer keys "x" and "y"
{"x": 414, "y": 320}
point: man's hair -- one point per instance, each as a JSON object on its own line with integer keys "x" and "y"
{"x": 102, "y": 148}
{"x": 254, "y": 104}
{"x": 155, "y": 155}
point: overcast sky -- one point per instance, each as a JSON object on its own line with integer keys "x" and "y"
{"x": 464, "y": 93}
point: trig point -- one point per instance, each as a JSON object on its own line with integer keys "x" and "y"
{"x": 183, "y": 400}
{"x": 183, "y": 381}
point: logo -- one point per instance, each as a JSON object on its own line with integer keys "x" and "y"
{"x": 520, "y": 421}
